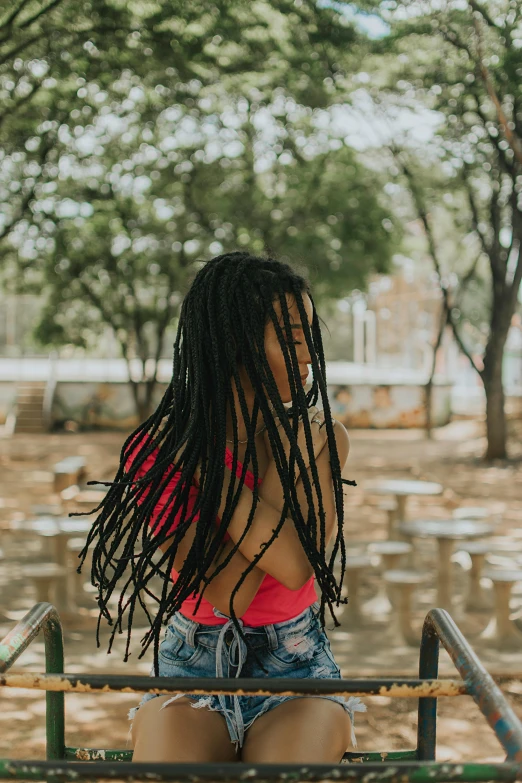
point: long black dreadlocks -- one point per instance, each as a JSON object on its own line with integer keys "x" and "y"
{"x": 222, "y": 322}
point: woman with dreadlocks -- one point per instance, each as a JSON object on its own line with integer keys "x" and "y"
{"x": 230, "y": 493}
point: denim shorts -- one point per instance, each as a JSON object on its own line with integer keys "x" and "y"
{"x": 296, "y": 648}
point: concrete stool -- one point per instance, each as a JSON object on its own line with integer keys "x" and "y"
{"x": 390, "y": 553}
{"x": 47, "y": 510}
{"x": 351, "y": 616}
{"x": 76, "y": 499}
{"x": 471, "y": 512}
{"x": 45, "y": 577}
{"x": 503, "y": 550}
{"x": 70, "y": 470}
{"x": 402, "y": 585}
{"x": 390, "y": 508}
{"x": 501, "y": 630}
{"x": 352, "y": 549}
{"x": 476, "y": 600}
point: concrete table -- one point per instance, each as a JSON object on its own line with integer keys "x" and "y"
{"x": 59, "y": 530}
{"x": 402, "y": 489}
{"x": 446, "y": 532}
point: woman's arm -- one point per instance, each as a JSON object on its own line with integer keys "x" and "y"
{"x": 285, "y": 559}
{"x": 326, "y": 483}
{"x": 220, "y": 589}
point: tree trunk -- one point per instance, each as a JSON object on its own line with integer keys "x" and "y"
{"x": 428, "y": 388}
{"x": 427, "y": 404}
{"x": 142, "y": 392}
{"x": 495, "y": 419}
{"x": 495, "y": 413}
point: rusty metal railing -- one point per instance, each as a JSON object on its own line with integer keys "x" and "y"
{"x": 417, "y": 765}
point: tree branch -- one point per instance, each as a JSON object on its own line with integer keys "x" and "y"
{"x": 461, "y": 345}
{"x": 517, "y": 232}
{"x": 14, "y": 13}
{"x": 422, "y": 212}
{"x": 12, "y": 109}
{"x": 475, "y": 220}
{"x": 504, "y": 160}
{"x": 429, "y": 385}
{"x": 13, "y": 52}
{"x": 451, "y": 36}
{"x": 484, "y": 14}
{"x": 35, "y": 17}
{"x": 511, "y": 138}
{"x": 470, "y": 273}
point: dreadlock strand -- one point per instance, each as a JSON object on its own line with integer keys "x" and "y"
{"x": 221, "y": 322}
{"x": 316, "y": 558}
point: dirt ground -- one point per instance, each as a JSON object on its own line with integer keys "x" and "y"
{"x": 452, "y": 458}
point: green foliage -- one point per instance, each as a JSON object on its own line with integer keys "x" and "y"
{"x": 464, "y": 61}
{"x": 155, "y": 135}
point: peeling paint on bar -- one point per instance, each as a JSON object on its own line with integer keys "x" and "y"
{"x": 84, "y": 754}
{"x": 426, "y": 689}
{"x": 350, "y": 757}
{"x": 245, "y": 686}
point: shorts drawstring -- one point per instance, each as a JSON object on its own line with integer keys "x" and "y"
{"x": 233, "y": 717}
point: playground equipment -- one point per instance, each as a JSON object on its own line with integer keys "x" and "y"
{"x": 417, "y": 765}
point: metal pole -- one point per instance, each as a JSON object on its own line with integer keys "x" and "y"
{"x": 427, "y": 720}
{"x": 235, "y": 772}
{"x": 55, "y": 701}
{"x": 486, "y": 694}
{"x": 42, "y": 616}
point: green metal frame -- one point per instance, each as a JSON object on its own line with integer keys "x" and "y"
{"x": 416, "y": 765}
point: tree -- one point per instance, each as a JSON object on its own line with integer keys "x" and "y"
{"x": 464, "y": 61}
{"x": 159, "y": 166}
{"x": 127, "y": 228}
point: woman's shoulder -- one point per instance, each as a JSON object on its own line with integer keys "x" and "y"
{"x": 342, "y": 441}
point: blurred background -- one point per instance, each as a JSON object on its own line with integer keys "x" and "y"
{"x": 377, "y": 146}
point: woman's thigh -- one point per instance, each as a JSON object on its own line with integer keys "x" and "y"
{"x": 180, "y": 733}
{"x": 307, "y": 730}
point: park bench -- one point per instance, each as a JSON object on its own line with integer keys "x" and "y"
{"x": 70, "y": 470}
{"x": 418, "y": 764}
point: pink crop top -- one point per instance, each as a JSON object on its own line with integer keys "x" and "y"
{"x": 273, "y": 602}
